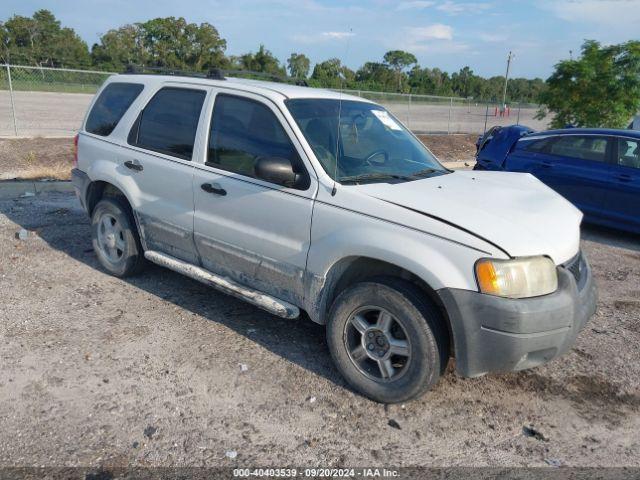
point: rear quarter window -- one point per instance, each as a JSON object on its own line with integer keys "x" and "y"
{"x": 111, "y": 105}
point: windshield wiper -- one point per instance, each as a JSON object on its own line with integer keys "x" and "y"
{"x": 373, "y": 176}
{"x": 423, "y": 173}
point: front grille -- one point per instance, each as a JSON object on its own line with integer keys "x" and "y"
{"x": 575, "y": 266}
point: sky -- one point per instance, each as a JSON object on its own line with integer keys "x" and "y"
{"x": 447, "y": 34}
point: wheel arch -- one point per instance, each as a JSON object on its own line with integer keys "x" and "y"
{"x": 353, "y": 269}
{"x": 99, "y": 189}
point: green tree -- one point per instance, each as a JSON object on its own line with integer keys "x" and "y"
{"x": 376, "y": 76}
{"x": 119, "y": 48}
{"x": 261, "y": 61}
{"x": 399, "y": 60}
{"x": 601, "y": 88}
{"x": 41, "y": 40}
{"x": 161, "y": 42}
{"x": 332, "y": 74}
{"x": 298, "y": 65}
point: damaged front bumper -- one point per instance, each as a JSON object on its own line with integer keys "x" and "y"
{"x": 493, "y": 334}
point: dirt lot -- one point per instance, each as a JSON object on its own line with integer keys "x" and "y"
{"x": 452, "y": 148}
{"x": 98, "y": 371}
{"x": 36, "y": 158}
{"x": 50, "y": 158}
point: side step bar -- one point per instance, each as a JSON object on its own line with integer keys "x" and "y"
{"x": 266, "y": 302}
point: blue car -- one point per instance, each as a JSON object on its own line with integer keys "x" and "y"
{"x": 598, "y": 170}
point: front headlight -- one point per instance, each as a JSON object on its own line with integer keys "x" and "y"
{"x": 517, "y": 278}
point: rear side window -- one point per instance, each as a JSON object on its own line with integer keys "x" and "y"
{"x": 169, "y": 122}
{"x": 628, "y": 153}
{"x": 583, "y": 147}
{"x": 243, "y": 130}
{"x": 110, "y": 106}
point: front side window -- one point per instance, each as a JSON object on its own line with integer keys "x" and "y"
{"x": 629, "y": 153}
{"x": 358, "y": 142}
{"x": 243, "y": 131}
{"x": 583, "y": 147}
{"x": 110, "y": 107}
{"x": 169, "y": 122}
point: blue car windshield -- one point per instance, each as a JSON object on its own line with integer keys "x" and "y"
{"x": 369, "y": 145}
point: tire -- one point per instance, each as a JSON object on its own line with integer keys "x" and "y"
{"x": 414, "y": 319}
{"x": 118, "y": 249}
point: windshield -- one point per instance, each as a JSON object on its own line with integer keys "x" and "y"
{"x": 371, "y": 145}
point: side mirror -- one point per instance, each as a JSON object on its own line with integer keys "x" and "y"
{"x": 278, "y": 170}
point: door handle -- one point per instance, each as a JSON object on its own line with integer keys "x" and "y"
{"x": 134, "y": 165}
{"x": 624, "y": 177}
{"x": 213, "y": 188}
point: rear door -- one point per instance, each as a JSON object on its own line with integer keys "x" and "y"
{"x": 623, "y": 201}
{"x": 162, "y": 143}
{"x": 248, "y": 229}
{"x": 578, "y": 167}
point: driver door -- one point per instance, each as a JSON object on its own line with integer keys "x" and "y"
{"x": 250, "y": 230}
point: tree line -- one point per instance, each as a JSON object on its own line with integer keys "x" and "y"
{"x": 177, "y": 44}
{"x": 599, "y": 88}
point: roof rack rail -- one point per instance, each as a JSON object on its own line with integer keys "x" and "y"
{"x": 271, "y": 76}
{"x": 213, "y": 73}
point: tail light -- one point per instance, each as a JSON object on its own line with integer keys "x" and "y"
{"x": 75, "y": 151}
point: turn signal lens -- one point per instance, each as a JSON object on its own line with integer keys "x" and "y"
{"x": 517, "y": 278}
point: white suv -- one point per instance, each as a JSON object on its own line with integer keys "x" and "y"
{"x": 305, "y": 200}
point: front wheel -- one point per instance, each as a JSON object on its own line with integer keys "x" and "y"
{"x": 387, "y": 339}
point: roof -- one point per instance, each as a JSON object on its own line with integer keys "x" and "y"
{"x": 590, "y": 131}
{"x": 272, "y": 90}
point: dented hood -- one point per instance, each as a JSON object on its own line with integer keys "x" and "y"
{"x": 514, "y": 211}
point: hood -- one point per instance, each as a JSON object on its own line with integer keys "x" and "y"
{"x": 514, "y": 211}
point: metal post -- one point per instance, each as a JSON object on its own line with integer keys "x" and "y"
{"x": 408, "y": 110}
{"x": 506, "y": 79}
{"x": 486, "y": 114}
{"x": 449, "y": 121}
{"x": 518, "y": 121}
{"x": 13, "y": 105}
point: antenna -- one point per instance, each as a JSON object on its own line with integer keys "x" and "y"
{"x": 342, "y": 85}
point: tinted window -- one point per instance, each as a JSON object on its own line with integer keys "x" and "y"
{"x": 628, "y": 153}
{"x": 244, "y": 130}
{"x": 587, "y": 147}
{"x": 169, "y": 122}
{"x": 110, "y": 106}
{"x": 533, "y": 145}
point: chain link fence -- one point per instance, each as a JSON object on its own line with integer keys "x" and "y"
{"x": 449, "y": 115}
{"x": 42, "y": 101}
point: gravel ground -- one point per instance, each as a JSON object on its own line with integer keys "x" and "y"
{"x": 160, "y": 370}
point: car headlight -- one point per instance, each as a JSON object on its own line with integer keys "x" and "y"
{"x": 517, "y": 278}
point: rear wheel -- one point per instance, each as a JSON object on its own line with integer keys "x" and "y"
{"x": 387, "y": 339}
{"x": 115, "y": 239}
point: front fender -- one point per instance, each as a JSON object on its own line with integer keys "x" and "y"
{"x": 340, "y": 234}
